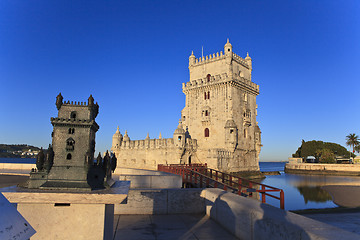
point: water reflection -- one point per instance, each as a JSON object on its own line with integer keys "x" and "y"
{"x": 315, "y": 194}
{"x": 304, "y": 191}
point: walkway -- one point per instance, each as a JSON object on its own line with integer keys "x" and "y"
{"x": 349, "y": 221}
{"x": 165, "y": 227}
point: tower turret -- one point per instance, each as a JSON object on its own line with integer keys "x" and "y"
{"x": 191, "y": 59}
{"x": 231, "y": 133}
{"x": 126, "y": 137}
{"x": 228, "y": 48}
{"x": 249, "y": 62}
{"x": 179, "y": 135}
{"x": 117, "y": 139}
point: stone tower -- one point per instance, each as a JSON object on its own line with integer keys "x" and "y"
{"x": 220, "y": 111}
{"x": 73, "y": 147}
{"x": 73, "y": 142}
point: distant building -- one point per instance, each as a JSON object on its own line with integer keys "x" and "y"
{"x": 218, "y": 123}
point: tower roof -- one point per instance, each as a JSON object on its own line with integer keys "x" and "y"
{"x": 247, "y": 57}
{"x": 228, "y": 43}
{"x": 126, "y": 136}
{"x": 117, "y": 133}
{"x": 179, "y": 129}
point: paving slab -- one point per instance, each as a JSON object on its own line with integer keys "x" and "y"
{"x": 164, "y": 227}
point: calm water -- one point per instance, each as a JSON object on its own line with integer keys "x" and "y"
{"x": 302, "y": 191}
{"x": 17, "y": 160}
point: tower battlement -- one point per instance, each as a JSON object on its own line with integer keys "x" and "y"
{"x": 217, "y": 56}
{"x": 221, "y": 79}
{"x": 74, "y": 103}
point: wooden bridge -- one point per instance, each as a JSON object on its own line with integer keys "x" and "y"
{"x": 199, "y": 175}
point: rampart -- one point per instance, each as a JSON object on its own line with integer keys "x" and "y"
{"x": 323, "y": 169}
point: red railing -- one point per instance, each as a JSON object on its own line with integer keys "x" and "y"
{"x": 199, "y": 175}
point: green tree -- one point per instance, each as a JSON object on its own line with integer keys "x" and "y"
{"x": 325, "y": 155}
{"x": 357, "y": 148}
{"x": 352, "y": 140}
{"x": 310, "y": 148}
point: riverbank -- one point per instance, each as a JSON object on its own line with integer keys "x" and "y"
{"x": 323, "y": 169}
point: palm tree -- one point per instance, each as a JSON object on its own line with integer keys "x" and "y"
{"x": 352, "y": 140}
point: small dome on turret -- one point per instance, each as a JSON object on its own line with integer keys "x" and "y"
{"x": 230, "y": 124}
{"x": 126, "y": 136}
{"x": 118, "y": 134}
{"x": 179, "y": 129}
{"x": 227, "y": 47}
{"x": 247, "y": 57}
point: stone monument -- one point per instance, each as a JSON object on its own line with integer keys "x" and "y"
{"x": 69, "y": 161}
{"x": 218, "y": 123}
{"x": 68, "y": 195}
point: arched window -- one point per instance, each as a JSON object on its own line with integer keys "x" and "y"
{"x": 208, "y": 77}
{"x": 207, "y": 133}
{"x": 70, "y": 144}
{"x": 179, "y": 138}
{"x": 68, "y": 157}
{"x": 206, "y": 113}
{"x": 205, "y": 95}
{"x": 208, "y": 95}
{"x": 71, "y": 130}
{"x": 73, "y": 115}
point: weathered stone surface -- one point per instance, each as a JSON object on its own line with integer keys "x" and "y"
{"x": 249, "y": 219}
{"x": 162, "y": 201}
{"x": 144, "y": 202}
{"x": 76, "y": 221}
{"x": 186, "y": 200}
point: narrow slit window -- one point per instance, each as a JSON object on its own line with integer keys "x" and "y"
{"x": 207, "y": 132}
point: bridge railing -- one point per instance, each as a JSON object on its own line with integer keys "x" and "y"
{"x": 198, "y": 175}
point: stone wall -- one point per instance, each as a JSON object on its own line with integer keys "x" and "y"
{"x": 318, "y": 168}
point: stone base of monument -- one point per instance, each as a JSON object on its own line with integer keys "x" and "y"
{"x": 69, "y": 215}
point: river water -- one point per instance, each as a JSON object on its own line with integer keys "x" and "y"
{"x": 303, "y": 191}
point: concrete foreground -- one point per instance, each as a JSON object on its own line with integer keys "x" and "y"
{"x": 349, "y": 221}
{"x": 165, "y": 227}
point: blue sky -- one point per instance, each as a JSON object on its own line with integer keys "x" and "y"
{"x": 132, "y": 56}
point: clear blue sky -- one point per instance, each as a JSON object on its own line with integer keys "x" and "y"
{"x": 132, "y": 56}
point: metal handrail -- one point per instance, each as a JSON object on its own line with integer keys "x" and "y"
{"x": 199, "y": 174}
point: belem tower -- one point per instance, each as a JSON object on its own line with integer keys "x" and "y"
{"x": 218, "y": 123}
